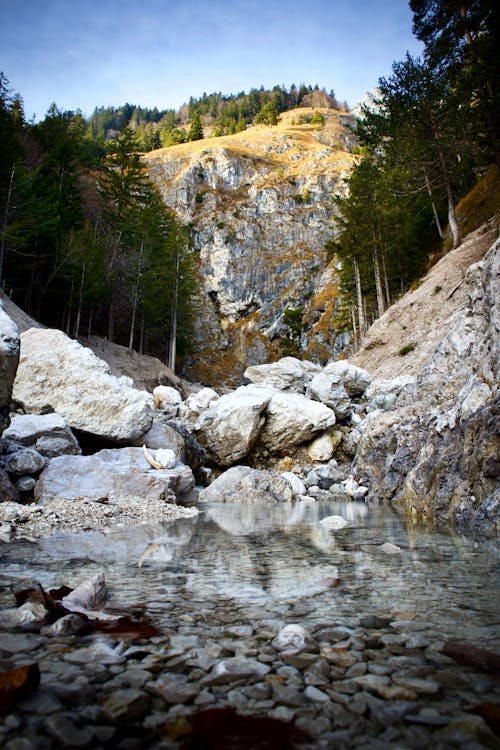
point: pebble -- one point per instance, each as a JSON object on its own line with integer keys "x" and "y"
{"x": 370, "y": 682}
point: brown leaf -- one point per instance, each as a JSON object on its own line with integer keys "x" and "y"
{"x": 24, "y": 595}
{"x": 470, "y": 656}
{"x": 16, "y": 683}
{"x": 224, "y": 729}
{"x": 125, "y": 627}
{"x": 490, "y": 712}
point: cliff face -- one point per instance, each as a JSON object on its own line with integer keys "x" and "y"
{"x": 260, "y": 207}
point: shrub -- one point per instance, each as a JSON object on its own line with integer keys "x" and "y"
{"x": 406, "y": 349}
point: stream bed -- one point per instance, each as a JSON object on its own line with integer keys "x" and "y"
{"x": 338, "y": 634}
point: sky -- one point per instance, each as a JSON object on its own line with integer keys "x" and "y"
{"x": 86, "y": 53}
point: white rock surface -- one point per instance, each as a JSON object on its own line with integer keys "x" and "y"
{"x": 55, "y": 371}
{"x": 111, "y": 475}
{"x": 293, "y": 638}
{"x": 356, "y": 380}
{"x": 385, "y": 394}
{"x": 9, "y": 357}
{"x": 329, "y": 389}
{"x": 229, "y": 428}
{"x": 296, "y": 483}
{"x": 241, "y": 484}
{"x": 165, "y": 395}
{"x": 49, "y": 434}
{"x": 322, "y": 448}
{"x": 292, "y": 419}
{"x": 288, "y": 373}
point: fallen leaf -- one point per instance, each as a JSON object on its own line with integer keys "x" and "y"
{"x": 224, "y": 729}
{"x": 490, "y": 712}
{"x": 127, "y": 628}
{"x": 16, "y": 683}
{"x": 470, "y": 656}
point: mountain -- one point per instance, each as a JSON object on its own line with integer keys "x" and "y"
{"x": 260, "y": 207}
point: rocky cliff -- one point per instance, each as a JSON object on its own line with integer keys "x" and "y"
{"x": 260, "y": 207}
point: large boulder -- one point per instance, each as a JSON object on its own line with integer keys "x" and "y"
{"x": 111, "y": 476}
{"x": 58, "y": 374}
{"x": 355, "y": 379}
{"x": 229, "y": 428}
{"x": 292, "y": 419}
{"x": 286, "y": 374}
{"x": 9, "y": 358}
{"x": 329, "y": 389}
{"x": 49, "y": 434}
{"x": 241, "y": 484}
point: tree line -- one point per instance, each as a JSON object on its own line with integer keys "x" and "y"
{"x": 213, "y": 114}
{"x": 431, "y": 131}
{"x": 87, "y": 244}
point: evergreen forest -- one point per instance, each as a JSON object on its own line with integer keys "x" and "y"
{"x": 87, "y": 244}
{"x": 430, "y": 133}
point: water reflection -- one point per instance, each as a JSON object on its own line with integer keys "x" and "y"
{"x": 248, "y": 555}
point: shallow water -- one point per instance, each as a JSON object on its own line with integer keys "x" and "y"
{"x": 245, "y": 562}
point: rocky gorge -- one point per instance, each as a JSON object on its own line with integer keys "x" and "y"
{"x": 259, "y": 204}
{"x": 206, "y": 496}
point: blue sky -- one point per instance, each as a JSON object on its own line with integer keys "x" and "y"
{"x": 87, "y": 53}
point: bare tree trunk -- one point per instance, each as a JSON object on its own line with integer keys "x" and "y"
{"x": 136, "y": 298}
{"x": 359, "y": 299}
{"x": 68, "y": 320}
{"x": 141, "y": 336}
{"x": 378, "y": 283}
{"x": 80, "y": 302}
{"x": 386, "y": 282}
{"x": 6, "y": 221}
{"x": 354, "y": 327}
{"x": 173, "y": 318}
{"x": 434, "y": 209}
{"x": 89, "y": 327}
{"x": 452, "y": 216}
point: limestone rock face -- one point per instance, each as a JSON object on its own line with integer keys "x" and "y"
{"x": 437, "y": 453}
{"x": 241, "y": 484}
{"x": 9, "y": 358}
{"x": 57, "y": 374}
{"x": 111, "y": 475}
{"x": 259, "y": 203}
{"x": 49, "y": 434}
{"x": 229, "y": 428}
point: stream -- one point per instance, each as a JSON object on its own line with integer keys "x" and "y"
{"x": 225, "y": 583}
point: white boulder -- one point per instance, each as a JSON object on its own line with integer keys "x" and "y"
{"x": 56, "y": 372}
{"x": 165, "y": 395}
{"x": 49, "y": 434}
{"x": 292, "y": 419}
{"x": 9, "y": 357}
{"x": 322, "y": 448}
{"x": 111, "y": 475}
{"x": 241, "y": 484}
{"x": 329, "y": 389}
{"x": 287, "y": 373}
{"x": 356, "y": 380}
{"x": 229, "y": 428}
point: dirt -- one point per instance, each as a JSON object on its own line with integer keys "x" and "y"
{"x": 403, "y": 338}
